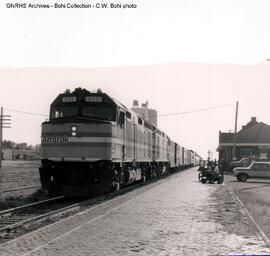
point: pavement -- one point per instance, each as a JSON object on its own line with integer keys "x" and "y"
{"x": 173, "y": 216}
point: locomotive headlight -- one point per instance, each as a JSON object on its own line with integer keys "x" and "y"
{"x": 73, "y": 130}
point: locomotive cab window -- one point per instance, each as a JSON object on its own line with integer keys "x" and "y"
{"x": 128, "y": 115}
{"x": 121, "y": 118}
{"x": 64, "y": 111}
{"x": 99, "y": 111}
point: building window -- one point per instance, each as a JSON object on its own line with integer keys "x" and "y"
{"x": 263, "y": 153}
{"x": 245, "y": 153}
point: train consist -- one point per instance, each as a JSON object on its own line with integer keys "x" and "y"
{"x": 92, "y": 144}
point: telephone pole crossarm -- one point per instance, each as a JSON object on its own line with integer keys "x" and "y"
{"x": 5, "y": 122}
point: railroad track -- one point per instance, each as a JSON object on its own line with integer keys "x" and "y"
{"x": 24, "y": 219}
{"x": 19, "y": 189}
{"x": 14, "y": 220}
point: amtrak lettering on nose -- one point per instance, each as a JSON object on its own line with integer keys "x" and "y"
{"x": 55, "y": 140}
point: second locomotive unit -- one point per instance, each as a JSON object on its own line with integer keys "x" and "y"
{"x": 93, "y": 144}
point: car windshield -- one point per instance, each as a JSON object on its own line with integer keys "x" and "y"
{"x": 99, "y": 111}
{"x": 64, "y": 111}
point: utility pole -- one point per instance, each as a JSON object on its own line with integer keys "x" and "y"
{"x": 235, "y": 131}
{"x": 209, "y": 155}
{"x": 1, "y": 135}
{"x": 3, "y": 124}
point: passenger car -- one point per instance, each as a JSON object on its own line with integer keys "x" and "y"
{"x": 254, "y": 170}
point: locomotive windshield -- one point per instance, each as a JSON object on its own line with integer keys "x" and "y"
{"x": 82, "y": 103}
{"x": 95, "y": 111}
{"x": 64, "y": 111}
{"x": 99, "y": 111}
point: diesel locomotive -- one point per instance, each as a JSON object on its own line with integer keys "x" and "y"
{"x": 93, "y": 144}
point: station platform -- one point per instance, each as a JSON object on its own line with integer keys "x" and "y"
{"x": 173, "y": 216}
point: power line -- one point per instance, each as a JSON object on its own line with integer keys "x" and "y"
{"x": 24, "y": 112}
{"x": 197, "y": 110}
{"x": 170, "y": 114}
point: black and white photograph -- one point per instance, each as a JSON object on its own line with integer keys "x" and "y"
{"x": 134, "y": 127}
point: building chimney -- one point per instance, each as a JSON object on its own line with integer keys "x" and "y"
{"x": 253, "y": 119}
{"x": 135, "y": 103}
{"x": 145, "y": 105}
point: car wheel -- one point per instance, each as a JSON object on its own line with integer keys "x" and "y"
{"x": 200, "y": 176}
{"x": 211, "y": 181}
{"x": 220, "y": 180}
{"x": 203, "y": 181}
{"x": 242, "y": 177}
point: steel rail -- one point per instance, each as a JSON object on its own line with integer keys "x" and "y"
{"x": 57, "y": 213}
{"x": 18, "y": 189}
{"x": 12, "y": 210}
{"x": 71, "y": 208}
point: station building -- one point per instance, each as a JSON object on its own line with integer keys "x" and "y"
{"x": 252, "y": 141}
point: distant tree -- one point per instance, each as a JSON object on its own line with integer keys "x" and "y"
{"x": 8, "y": 144}
{"x": 30, "y": 147}
{"x": 21, "y": 145}
{"x": 37, "y": 147}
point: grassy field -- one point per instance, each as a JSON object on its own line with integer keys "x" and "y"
{"x": 18, "y": 175}
{"x": 255, "y": 196}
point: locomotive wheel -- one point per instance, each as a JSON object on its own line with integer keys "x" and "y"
{"x": 115, "y": 186}
{"x": 53, "y": 191}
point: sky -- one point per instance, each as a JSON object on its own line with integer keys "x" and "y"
{"x": 179, "y": 55}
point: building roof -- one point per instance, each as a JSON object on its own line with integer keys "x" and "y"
{"x": 257, "y": 133}
{"x": 225, "y": 137}
{"x": 253, "y": 133}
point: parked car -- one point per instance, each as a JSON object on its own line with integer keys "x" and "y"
{"x": 254, "y": 170}
{"x": 243, "y": 162}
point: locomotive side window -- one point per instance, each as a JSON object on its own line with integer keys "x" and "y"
{"x": 128, "y": 115}
{"x": 64, "y": 111}
{"x": 99, "y": 111}
{"x": 121, "y": 118}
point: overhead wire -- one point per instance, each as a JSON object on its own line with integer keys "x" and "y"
{"x": 24, "y": 112}
{"x": 196, "y": 110}
{"x": 170, "y": 114}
